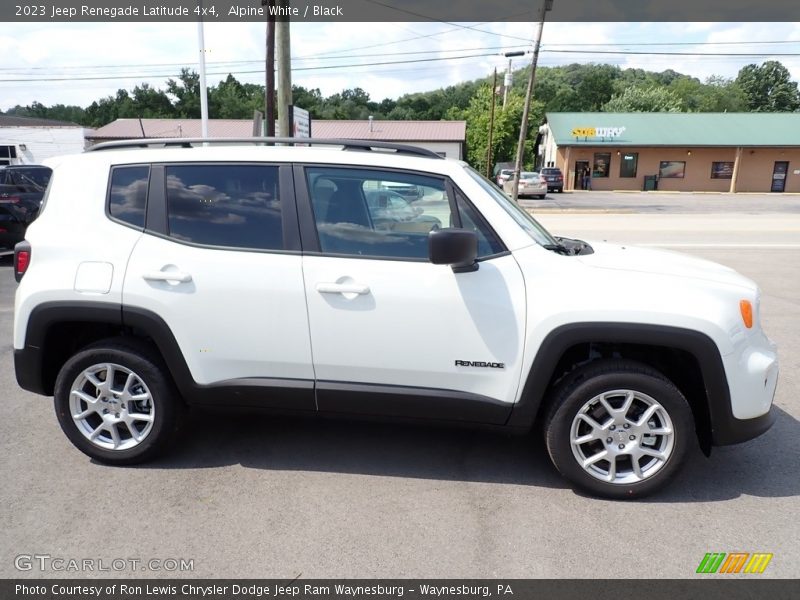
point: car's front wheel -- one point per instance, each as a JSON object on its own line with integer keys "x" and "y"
{"x": 116, "y": 402}
{"x": 618, "y": 429}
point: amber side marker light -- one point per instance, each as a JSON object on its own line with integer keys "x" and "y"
{"x": 747, "y": 313}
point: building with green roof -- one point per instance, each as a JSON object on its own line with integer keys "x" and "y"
{"x": 722, "y": 152}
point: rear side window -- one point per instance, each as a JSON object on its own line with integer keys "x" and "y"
{"x": 233, "y": 206}
{"x": 128, "y": 194}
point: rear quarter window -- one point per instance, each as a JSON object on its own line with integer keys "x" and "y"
{"x": 127, "y": 195}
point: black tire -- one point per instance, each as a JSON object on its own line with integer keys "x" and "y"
{"x": 166, "y": 406}
{"x": 583, "y": 386}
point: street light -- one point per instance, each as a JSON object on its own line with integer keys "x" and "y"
{"x": 509, "y": 78}
{"x": 547, "y": 5}
{"x": 506, "y": 86}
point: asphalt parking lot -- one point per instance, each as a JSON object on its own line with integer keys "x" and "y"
{"x": 271, "y": 497}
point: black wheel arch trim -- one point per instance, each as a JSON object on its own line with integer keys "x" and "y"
{"x": 725, "y": 428}
{"x": 350, "y": 397}
{"x": 30, "y": 362}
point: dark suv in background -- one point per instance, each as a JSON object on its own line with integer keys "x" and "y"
{"x": 21, "y": 192}
{"x": 554, "y": 179}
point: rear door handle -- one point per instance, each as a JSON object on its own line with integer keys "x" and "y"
{"x": 176, "y": 276}
{"x": 342, "y": 288}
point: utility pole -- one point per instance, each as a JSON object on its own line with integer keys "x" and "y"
{"x": 509, "y": 78}
{"x": 523, "y": 130}
{"x": 203, "y": 88}
{"x": 284, "y": 57}
{"x": 491, "y": 126}
{"x": 269, "y": 88}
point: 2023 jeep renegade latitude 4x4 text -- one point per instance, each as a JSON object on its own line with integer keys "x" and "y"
{"x": 288, "y": 278}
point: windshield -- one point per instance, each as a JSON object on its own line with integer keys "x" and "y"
{"x": 530, "y": 225}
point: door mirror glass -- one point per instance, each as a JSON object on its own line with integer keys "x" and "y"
{"x": 455, "y": 247}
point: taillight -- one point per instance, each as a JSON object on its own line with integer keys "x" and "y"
{"x": 22, "y": 259}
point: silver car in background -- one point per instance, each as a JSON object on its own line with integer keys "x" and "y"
{"x": 530, "y": 184}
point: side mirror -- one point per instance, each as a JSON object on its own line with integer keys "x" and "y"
{"x": 455, "y": 247}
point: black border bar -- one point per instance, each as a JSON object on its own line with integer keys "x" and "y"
{"x": 460, "y": 11}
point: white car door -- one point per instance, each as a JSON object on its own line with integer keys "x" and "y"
{"x": 214, "y": 266}
{"x": 392, "y": 333}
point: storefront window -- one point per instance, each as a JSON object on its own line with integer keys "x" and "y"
{"x": 672, "y": 169}
{"x": 722, "y": 170}
{"x": 602, "y": 164}
{"x": 627, "y": 164}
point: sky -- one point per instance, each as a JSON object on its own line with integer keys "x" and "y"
{"x": 77, "y": 63}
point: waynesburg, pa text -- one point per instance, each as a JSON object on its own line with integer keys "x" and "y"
{"x": 255, "y": 590}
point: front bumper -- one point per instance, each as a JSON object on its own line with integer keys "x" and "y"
{"x": 752, "y": 373}
{"x": 735, "y": 431}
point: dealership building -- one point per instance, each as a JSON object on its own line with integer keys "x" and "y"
{"x": 713, "y": 152}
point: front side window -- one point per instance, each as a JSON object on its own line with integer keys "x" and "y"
{"x": 127, "y": 196}
{"x": 232, "y": 206}
{"x": 383, "y": 214}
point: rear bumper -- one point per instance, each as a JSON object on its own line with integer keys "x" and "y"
{"x": 28, "y": 369}
{"x": 532, "y": 190}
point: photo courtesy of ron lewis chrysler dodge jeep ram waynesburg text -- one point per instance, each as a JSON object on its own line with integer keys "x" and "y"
{"x": 166, "y": 274}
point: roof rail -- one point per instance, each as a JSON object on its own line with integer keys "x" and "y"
{"x": 348, "y": 145}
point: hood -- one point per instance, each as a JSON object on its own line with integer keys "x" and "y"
{"x": 661, "y": 262}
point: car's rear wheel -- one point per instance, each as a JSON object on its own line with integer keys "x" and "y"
{"x": 116, "y": 402}
{"x": 618, "y": 429}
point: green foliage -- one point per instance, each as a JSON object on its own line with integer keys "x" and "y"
{"x": 568, "y": 88}
{"x": 57, "y": 112}
{"x": 768, "y": 88}
{"x": 645, "y": 99}
{"x": 506, "y": 127}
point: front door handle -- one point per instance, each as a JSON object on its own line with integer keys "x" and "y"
{"x": 342, "y": 288}
{"x": 176, "y": 276}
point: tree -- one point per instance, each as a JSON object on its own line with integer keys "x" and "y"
{"x": 234, "y": 100}
{"x": 506, "y": 127}
{"x": 768, "y": 88}
{"x": 645, "y": 99}
{"x": 151, "y": 103}
{"x": 187, "y": 93}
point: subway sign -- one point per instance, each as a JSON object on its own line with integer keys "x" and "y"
{"x": 600, "y": 132}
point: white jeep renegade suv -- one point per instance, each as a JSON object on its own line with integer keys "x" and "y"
{"x": 162, "y": 274}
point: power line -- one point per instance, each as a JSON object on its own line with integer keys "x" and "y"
{"x": 318, "y": 68}
{"x": 644, "y": 53}
{"x": 98, "y": 77}
{"x": 246, "y": 62}
{"x": 546, "y": 48}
